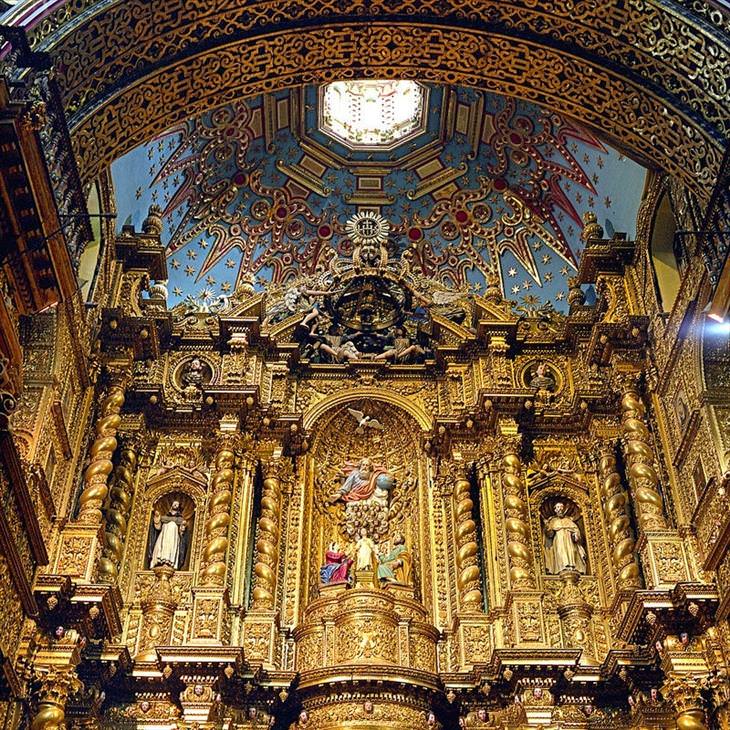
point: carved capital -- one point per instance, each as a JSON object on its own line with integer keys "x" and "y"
{"x": 57, "y": 684}
{"x": 684, "y": 691}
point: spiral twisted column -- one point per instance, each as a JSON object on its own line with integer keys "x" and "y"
{"x": 219, "y": 511}
{"x": 105, "y": 442}
{"x": 467, "y": 561}
{"x": 120, "y": 505}
{"x": 639, "y": 455}
{"x": 615, "y": 507}
{"x": 521, "y": 563}
{"x": 267, "y": 542}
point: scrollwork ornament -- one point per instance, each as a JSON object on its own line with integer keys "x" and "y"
{"x": 7, "y": 399}
{"x": 103, "y": 108}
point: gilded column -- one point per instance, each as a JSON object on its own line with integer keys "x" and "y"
{"x": 524, "y": 599}
{"x": 685, "y": 694}
{"x": 210, "y": 597}
{"x": 120, "y": 504}
{"x": 54, "y": 665}
{"x": 575, "y": 615}
{"x": 521, "y": 564}
{"x": 267, "y": 543}
{"x": 56, "y": 686}
{"x": 640, "y": 463}
{"x": 260, "y": 629}
{"x": 467, "y": 559}
{"x": 105, "y": 442}
{"x": 615, "y": 507}
{"x": 219, "y": 511}
{"x": 83, "y": 539}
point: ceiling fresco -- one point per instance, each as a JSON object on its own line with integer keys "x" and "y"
{"x": 257, "y": 192}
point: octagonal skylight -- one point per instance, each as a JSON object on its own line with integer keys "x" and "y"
{"x": 373, "y": 114}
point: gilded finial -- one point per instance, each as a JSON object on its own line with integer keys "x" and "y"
{"x": 576, "y": 296}
{"x": 493, "y": 292}
{"x": 592, "y": 230}
{"x": 153, "y": 222}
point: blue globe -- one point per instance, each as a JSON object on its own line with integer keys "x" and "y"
{"x": 385, "y": 481}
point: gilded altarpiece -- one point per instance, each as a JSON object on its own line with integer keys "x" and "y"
{"x": 455, "y": 517}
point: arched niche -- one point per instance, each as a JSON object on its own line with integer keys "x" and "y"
{"x": 181, "y": 506}
{"x": 575, "y": 494}
{"x": 90, "y": 256}
{"x": 159, "y": 491}
{"x": 665, "y": 255}
{"x": 339, "y": 443}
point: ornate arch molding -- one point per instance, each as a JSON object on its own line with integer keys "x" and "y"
{"x": 321, "y": 409}
{"x": 652, "y": 75}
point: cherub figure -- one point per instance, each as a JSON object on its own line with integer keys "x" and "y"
{"x": 401, "y": 349}
{"x": 338, "y": 345}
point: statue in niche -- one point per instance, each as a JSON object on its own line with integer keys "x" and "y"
{"x": 337, "y": 566}
{"x": 194, "y": 374}
{"x": 394, "y": 566}
{"x": 168, "y": 538}
{"x": 365, "y": 551}
{"x": 542, "y": 379}
{"x": 365, "y": 493}
{"x": 563, "y": 543}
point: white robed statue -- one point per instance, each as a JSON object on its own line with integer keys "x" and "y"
{"x": 563, "y": 545}
{"x": 168, "y": 538}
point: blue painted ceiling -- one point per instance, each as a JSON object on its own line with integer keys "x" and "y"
{"x": 254, "y": 191}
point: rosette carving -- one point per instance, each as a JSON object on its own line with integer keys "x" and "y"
{"x": 120, "y": 504}
{"x": 640, "y": 463}
{"x": 219, "y": 512}
{"x": 100, "y": 464}
{"x": 521, "y": 564}
{"x": 615, "y": 507}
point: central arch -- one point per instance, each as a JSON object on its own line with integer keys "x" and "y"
{"x": 130, "y": 70}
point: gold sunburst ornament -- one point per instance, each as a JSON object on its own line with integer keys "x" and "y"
{"x": 368, "y": 227}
